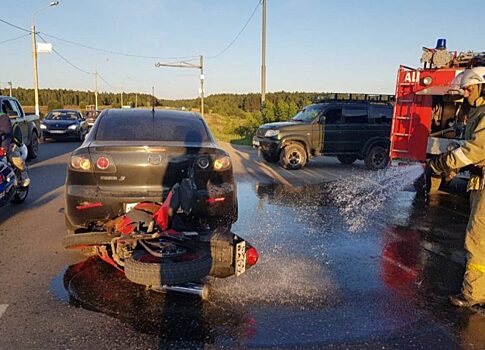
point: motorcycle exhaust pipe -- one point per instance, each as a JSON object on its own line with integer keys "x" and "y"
{"x": 201, "y": 290}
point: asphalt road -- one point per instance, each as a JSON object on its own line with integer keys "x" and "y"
{"x": 318, "y": 283}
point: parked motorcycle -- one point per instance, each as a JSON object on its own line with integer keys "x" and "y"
{"x": 11, "y": 189}
{"x": 156, "y": 246}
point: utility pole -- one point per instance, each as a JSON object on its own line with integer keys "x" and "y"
{"x": 190, "y": 65}
{"x": 36, "y": 76}
{"x": 263, "y": 58}
{"x": 202, "y": 85}
{"x": 10, "y": 84}
{"x": 121, "y": 98}
{"x": 136, "y": 100}
{"x": 96, "y": 89}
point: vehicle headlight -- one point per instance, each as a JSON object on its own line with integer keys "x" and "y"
{"x": 73, "y": 127}
{"x": 271, "y": 132}
{"x": 43, "y": 127}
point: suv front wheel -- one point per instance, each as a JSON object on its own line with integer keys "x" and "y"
{"x": 293, "y": 157}
{"x": 377, "y": 158}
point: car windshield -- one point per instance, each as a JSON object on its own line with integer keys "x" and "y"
{"x": 62, "y": 116}
{"x": 147, "y": 128}
{"x": 308, "y": 113}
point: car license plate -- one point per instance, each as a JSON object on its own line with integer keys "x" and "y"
{"x": 240, "y": 258}
{"x": 57, "y": 131}
{"x": 129, "y": 206}
{"x": 255, "y": 143}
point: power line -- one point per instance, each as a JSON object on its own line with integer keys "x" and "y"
{"x": 115, "y": 52}
{"x": 13, "y": 39}
{"x": 111, "y": 86}
{"x": 15, "y": 26}
{"x": 65, "y": 59}
{"x": 238, "y": 34}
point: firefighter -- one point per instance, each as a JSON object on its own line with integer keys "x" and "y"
{"x": 470, "y": 154}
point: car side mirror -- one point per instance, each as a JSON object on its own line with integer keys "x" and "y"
{"x": 322, "y": 119}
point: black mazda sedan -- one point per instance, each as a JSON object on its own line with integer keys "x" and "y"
{"x": 63, "y": 124}
{"x": 135, "y": 155}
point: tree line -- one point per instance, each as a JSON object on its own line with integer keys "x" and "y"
{"x": 66, "y": 97}
{"x": 238, "y": 115}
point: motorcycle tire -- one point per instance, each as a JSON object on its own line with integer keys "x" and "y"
{"x": 79, "y": 240}
{"x": 20, "y": 196}
{"x": 145, "y": 269}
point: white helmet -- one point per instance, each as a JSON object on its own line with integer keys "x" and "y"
{"x": 472, "y": 76}
{"x": 466, "y": 78}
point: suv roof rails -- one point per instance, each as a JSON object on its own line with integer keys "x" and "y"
{"x": 349, "y": 97}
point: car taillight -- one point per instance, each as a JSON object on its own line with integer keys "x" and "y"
{"x": 251, "y": 256}
{"x": 102, "y": 163}
{"x": 222, "y": 163}
{"x": 3, "y": 152}
{"x": 80, "y": 163}
{"x": 2, "y": 179}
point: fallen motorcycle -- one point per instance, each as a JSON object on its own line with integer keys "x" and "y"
{"x": 11, "y": 189}
{"x": 154, "y": 246}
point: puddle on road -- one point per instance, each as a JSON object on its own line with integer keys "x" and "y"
{"x": 316, "y": 282}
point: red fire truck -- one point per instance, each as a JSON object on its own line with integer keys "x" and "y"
{"x": 428, "y": 119}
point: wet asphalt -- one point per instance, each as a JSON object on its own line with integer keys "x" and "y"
{"x": 317, "y": 284}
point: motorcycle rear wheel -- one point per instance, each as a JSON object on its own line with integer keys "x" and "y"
{"x": 145, "y": 269}
{"x": 20, "y": 195}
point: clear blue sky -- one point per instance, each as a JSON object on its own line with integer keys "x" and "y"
{"x": 312, "y": 45}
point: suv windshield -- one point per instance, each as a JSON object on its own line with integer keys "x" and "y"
{"x": 62, "y": 116}
{"x": 308, "y": 113}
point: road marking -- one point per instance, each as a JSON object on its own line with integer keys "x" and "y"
{"x": 3, "y": 308}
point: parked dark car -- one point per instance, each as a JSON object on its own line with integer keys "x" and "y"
{"x": 63, "y": 124}
{"x": 91, "y": 117}
{"x": 347, "y": 129}
{"x": 136, "y": 155}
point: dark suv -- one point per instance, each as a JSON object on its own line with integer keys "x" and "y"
{"x": 347, "y": 129}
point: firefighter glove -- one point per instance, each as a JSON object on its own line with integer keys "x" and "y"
{"x": 438, "y": 166}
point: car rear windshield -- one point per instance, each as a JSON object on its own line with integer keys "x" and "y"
{"x": 62, "y": 116}
{"x": 147, "y": 128}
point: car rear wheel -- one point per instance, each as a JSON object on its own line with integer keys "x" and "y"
{"x": 33, "y": 147}
{"x": 377, "y": 158}
{"x": 347, "y": 159}
{"x": 293, "y": 157}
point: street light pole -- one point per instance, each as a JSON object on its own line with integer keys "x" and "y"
{"x": 190, "y": 65}
{"x": 34, "y": 55}
{"x": 263, "y": 58}
{"x": 10, "y": 84}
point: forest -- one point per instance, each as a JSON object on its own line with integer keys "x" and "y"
{"x": 232, "y": 117}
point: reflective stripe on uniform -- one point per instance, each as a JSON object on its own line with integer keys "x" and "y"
{"x": 477, "y": 267}
{"x": 462, "y": 157}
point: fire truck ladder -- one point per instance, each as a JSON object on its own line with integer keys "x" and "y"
{"x": 403, "y": 118}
